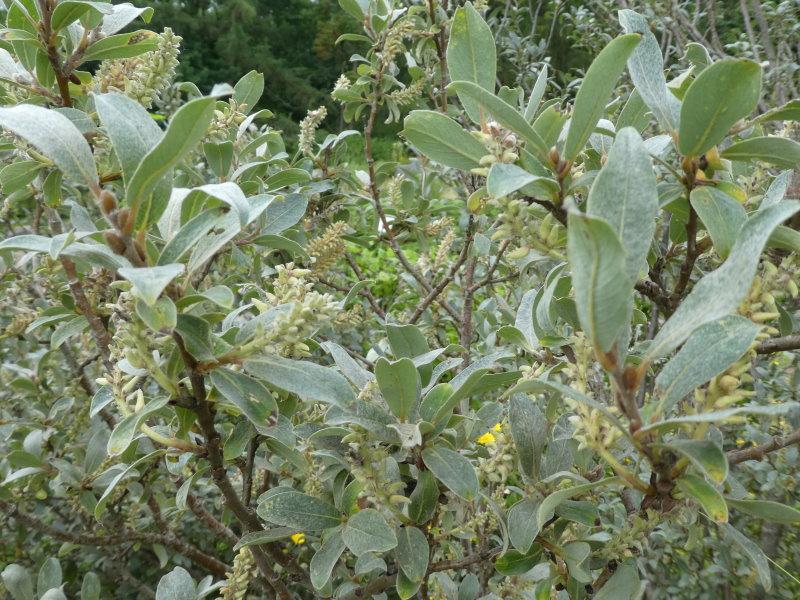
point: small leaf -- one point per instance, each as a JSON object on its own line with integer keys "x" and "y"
{"x": 443, "y": 140}
{"x": 706, "y": 455}
{"x": 307, "y": 380}
{"x": 471, "y": 55}
{"x": 367, "y": 531}
{"x": 325, "y": 559}
{"x": 149, "y": 282}
{"x": 128, "y": 427}
{"x": 710, "y": 350}
{"x": 722, "y": 215}
{"x": 514, "y": 562}
{"x": 529, "y": 430}
{"x": 778, "y": 151}
{"x": 726, "y": 91}
{"x": 502, "y": 112}
{"x": 123, "y": 45}
{"x": 505, "y": 179}
{"x": 522, "y": 524}
{"x": 624, "y": 584}
{"x": 18, "y": 582}
{"x": 603, "y": 288}
{"x": 646, "y": 66}
{"x": 753, "y": 552}
{"x": 453, "y": 470}
{"x": 624, "y": 195}
{"x": 400, "y": 385}
{"x": 248, "y": 90}
{"x": 49, "y": 576}
{"x": 766, "y": 509}
{"x": 706, "y": 495}
{"x": 69, "y": 11}
{"x": 186, "y": 128}
{"x": 412, "y": 553}
{"x": 55, "y": 136}
{"x": 424, "y": 498}
{"x": 90, "y": 589}
{"x": 720, "y": 415}
{"x": 301, "y": 511}
{"x": 247, "y": 394}
{"x": 176, "y": 585}
{"x": 550, "y": 503}
{"x": 600, "y": 79}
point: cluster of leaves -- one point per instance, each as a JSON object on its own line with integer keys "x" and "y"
{"x": 541, "y": 356}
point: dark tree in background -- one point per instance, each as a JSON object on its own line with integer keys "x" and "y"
{"x": 290, "y": 41}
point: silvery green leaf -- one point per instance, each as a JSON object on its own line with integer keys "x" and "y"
{"x": 766, "y": 509}
{"x": 325, "y": 559}
{"x": 505, "y": 179}
{"x": 90, "y": 589}
{"x": 185, "y": 130}
{"x": 777, "y": 190}
{"x": 357, "y": 374}
{"x": 576, "y": 556}
{"x": 122, "y": 15}
{"x": 131, "y": 129}
{"x": 176, "y": 585}
{"x": 307, "y": 380}
{"x": 719, "y": 416}
{"x": 399, "y": 383}
{"x": 193, "y": 232}
{"x": 720, "y": 292}
{"x": 248, "y": 90}
{"x": 247, "y": 394}
{"x": 710, "y": 350}
{"x": 590, "y": 101}
{"x": 49, "y": 576}
{"x": 149, "y": 282}
{"x": 55, "y": 136}
{"x": 753, "y": 552}
{"x": 726, "y": 91}
{"x": 471, "y": 55}
{"x": 537, "y": 93}
{"x": 412, "y": 552}
{"x": 453, "y": 469}
{"x": 529, "y": 430}
{"x": 624, "y": 584}
{"x": 603, "y": 287}
{"x": 442, "y": 140}
{"x": 550, "y": 503}
{"x": 66, "y": 330}
{"x": 225, "y": 229}
{"x": 129, "y": 470}
{"x": 522, "y": 524}
{"x": 706, "y": 455}
{"x": 624, "y": 195}
{"x": 524, "y": 319}
{"x": 706, "y": 495}
{"x": 284, "y": 212}
{"x": 126, "y": 429}
{"x": 646, "y": 67}
{"x": 368, "y": 531}
{"x": 290, "y": 508}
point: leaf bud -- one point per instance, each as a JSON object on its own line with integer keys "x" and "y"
{"x": 108, "y": 203}
{"x": 115, "y": 242}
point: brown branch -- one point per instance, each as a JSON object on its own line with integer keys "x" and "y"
{"x": 210, "y": 563}
{"x": 387, "y": 581}
{"x": 779, "y": 344}
{"x": 196, "y": 506}
{"x": 759, "y": 452}
{"x": 49, "y": 38}
{"x": 205, "y": 418}
{"x": 688, "y": 262}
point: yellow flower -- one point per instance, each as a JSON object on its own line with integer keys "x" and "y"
{"x": 497, "y": 427}
{"x": 740, "y": 442}
{"x": 299, "y": 538}
{"x": 486, "y": 438}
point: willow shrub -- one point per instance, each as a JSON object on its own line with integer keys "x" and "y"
{"x": 498, "y": 368}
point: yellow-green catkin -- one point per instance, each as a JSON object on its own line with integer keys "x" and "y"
{"x": 144, "y": 77}
{"x": 328, "y": 248}
{"x": 308, "y": 127}
{"x": 239, "y": 578}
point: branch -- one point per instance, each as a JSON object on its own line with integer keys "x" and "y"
{"x": 688, "y": 262}
{"x": 779, "y": 344}
{"x": 210, "y": 563}
{"x": 387, "y": 581}
{"x": 758, "y": 452}
{"x": 205, "y": 418}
